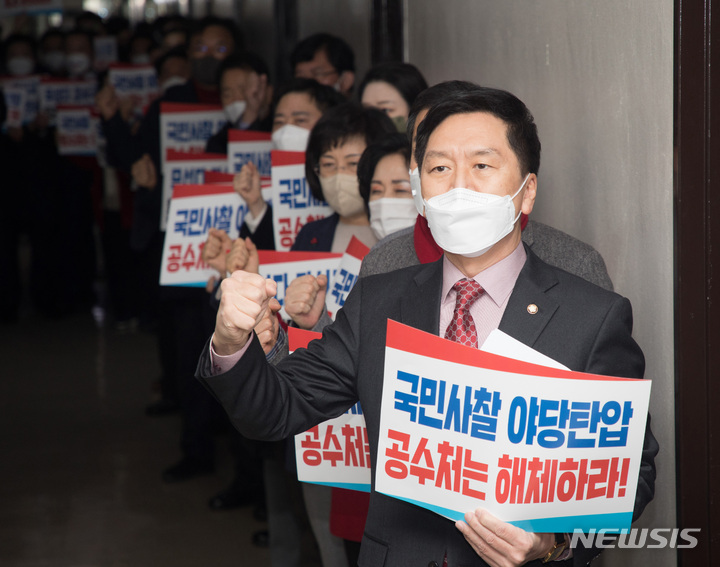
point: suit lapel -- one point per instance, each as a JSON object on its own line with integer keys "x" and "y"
{"x": 420, "y": 307}
{"x": 530, "y": 308}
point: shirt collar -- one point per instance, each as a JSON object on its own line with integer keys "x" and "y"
{"x": 498, "y": 280}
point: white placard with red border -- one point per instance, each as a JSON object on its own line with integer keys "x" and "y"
{"x": 548, "y": 450}
{"x": 30, "y": 85}
{"x": 105, "y": 51}
{"x": 187, "y": 127}
{"x": 347, "y": 274}
{"x": 137, "y": 83}
{"x": 284, "y": 267}
{"x": 337, "y": 451}
{"x": 77, "y": 131}
{"x": 249, "y": 145}
{"x": 294, "y": 205}
{"x": 15, "y": 102}
{"x": 186, "y": 168}
{"x": 53, "y": 93}
{"x": 194, "y": 209}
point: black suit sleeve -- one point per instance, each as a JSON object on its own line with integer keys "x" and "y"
{"x": 264, "y": 236}
{"x": 313, "y": 385}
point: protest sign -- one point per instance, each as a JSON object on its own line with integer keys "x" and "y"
{"x": 53, "y": 93}
{"x": 15, "y": 102}
{"x": 137, "y": 83}
{"x": 548, "y": 450}
{"x": 284, "y": 267}
{"x": 105, "y": 51}
{"x": 347, "y": 274}
{"x": 29, "y": 85}
{"x": 194, "y": 209}
{"x": 248, "y": 145}
{"x": 337, "y": 451}
{"x": 187, "y": 127}
{"x": 186, "y": 168}
{"x": 293, "y": 203}
{"x": 77, "y": 131}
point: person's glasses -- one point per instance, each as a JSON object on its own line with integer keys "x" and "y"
{"x": 331, "y": 168}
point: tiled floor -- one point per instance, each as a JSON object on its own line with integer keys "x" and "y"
{"x": 80, "y": 463}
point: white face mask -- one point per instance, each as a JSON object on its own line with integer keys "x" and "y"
{"x": 54, "y": 61}
{"x": 291, "y": 138}
{"x": 342, "y": 193}
{"x": 20, "y": 66}
{"x": 235, "y": 110}
{"x": 172, "y": 82}
{"x": 388, "y": 215}
{"x": 415, "y": 190}
{"x": 78, "y": 64}
{"x": 469, "y": 223}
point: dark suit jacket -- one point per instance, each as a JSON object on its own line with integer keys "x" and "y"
{"x": 579, "y": 324}
{"x": 317, "y": 236}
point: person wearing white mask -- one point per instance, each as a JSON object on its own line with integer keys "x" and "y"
{"x": 19, "y": 55}
{"x": 486, "y": 142}
{"x": 52, "y": 52}
{"x": 298, "y": 107}
{"x": 79, "y": 54}
{"x": 245, "y": 94}
{"x": 385, "y": 185}
{"x": 173, "y": 69}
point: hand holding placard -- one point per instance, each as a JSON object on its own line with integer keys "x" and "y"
{"x": 305, "y": 300}
{"x": 268, "y": 328}
{"x": 247, "y": 185}
{"x": 144, "y": 172}
{"x": 244, "y": 302}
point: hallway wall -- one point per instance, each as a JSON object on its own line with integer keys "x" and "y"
{"x": 599, "y": 79}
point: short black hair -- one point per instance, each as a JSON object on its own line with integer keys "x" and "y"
{"x": 521, "y": 129}
{"x": 389, "y": 145}
{"x": 227, "y": 23}
{"x": 434, "y": 95}
{"x": 404, "y": 77}
{"x": 336, "y": 126}
{"x": 178, "y": 51}
{"x": 51, "y": 32}
{"x": 14, "y": 38}
{"x": 338, "y": 52}
{"x": 323, "y": 96}
{"x": 246, "y": 60}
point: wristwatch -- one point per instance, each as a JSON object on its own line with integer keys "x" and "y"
{"x": 557, "y": 550}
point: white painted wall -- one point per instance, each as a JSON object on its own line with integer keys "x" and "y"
{"x": 598, "y": 76}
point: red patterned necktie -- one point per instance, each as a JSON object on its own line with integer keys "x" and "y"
{"x": 462, "y": 327}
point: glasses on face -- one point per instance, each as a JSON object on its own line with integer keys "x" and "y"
{"x": 214, "y": 50}
{"x": 328, "y": 168}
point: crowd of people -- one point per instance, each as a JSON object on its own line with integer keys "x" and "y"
{"x": 358, "y": 137}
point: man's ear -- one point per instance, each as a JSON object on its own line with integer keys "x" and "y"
{"x": 528, "y": 201}
{"x": 347, "y": 80}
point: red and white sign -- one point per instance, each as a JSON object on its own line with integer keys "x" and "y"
{"x": 194, "y": 209}
{"x": 337, "y": 451}
{"x": 186, "y": 168}
{"x": 29, "y": 85}
{"x": 347, "y": 274}
{"x": 284, "y": 267}
{"x": 293, "y": 203}
{"x": 248, "y": 145}
{"x": 187, "y": 127}
{"x": 15, "y": 102}
{"x": 546, "y": 449}
{"x": 137, "y": 83}
{"x": 15, "y": 7}
{"x": 77, "y": 131}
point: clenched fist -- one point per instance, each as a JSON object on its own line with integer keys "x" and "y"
{"x": 217, "y": 247}
{"x": 243, "y": 256}
{"x": 247, "y": 185}
{"x": 267, "y": 329}
{"x": 244, "y": 303}
{"x": 144, "y": 172}
{"x": 305, "y": 300}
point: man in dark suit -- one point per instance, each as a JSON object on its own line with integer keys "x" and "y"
{"x": 478, "y": 154}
